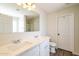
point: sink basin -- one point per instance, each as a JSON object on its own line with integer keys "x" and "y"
{"x": 13, "y": 46}
{"x": 17, "y": 46}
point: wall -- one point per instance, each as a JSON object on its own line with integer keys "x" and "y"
{"x": 76, "y": 46}
{"x": 52, "y": 24}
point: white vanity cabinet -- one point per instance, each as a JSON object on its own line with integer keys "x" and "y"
{"x": 44, "y": 48}
{"x": 40, "y": 50}
{"x": 31, "y": 52}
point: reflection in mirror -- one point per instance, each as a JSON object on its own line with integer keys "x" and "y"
{"x": 31, "y": 23}
{"x": 15, "y": 24}
{"x": 8, "y": 23}
{"x": 16, "y": 19}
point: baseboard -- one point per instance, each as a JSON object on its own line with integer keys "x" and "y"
{"x": 75, "y": 53}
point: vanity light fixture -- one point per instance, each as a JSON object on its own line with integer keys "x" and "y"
{"x": 29, "y": 6}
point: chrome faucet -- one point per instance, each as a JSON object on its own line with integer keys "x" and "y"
{"x": 17, "y": 41}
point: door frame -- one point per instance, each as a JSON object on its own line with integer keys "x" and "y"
{"x": 72, "y": 42}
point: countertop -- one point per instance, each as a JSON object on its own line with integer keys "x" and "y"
{"x": 12, "y": 49}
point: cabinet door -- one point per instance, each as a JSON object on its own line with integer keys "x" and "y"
{"x": 32, "y": 52}
{"x": 36, "y": 51}
{"x": 44, "y": 49}
{"x": 26, "y": 53}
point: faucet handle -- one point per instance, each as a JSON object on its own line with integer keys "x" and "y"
{"x": 17, "y": 41}
{"x": 36, "y": 36}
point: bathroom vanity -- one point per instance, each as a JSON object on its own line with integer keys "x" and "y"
{"x": 31, "y": 47}
{"x": 19, "y": 23}
{"x": 41, "y": 49}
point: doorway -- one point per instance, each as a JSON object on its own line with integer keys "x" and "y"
{"x": 65, "y": 32}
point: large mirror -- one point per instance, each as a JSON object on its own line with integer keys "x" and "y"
{"x": 14, "y": 18}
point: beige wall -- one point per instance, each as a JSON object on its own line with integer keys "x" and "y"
{"x": 52, "y": 24}
{"x": 77, "y": 32}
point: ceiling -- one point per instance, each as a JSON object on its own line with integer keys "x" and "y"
{"x": 51, "y": 7}
{"x": 46, "y": 7}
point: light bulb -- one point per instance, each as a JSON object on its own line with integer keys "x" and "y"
{"x": 29, "y": 3}
{"x": 24, "y": 6}
{"x": 29, "y": 8}
{"x": 18, "y": 4}
{"x": 33, "y": 6}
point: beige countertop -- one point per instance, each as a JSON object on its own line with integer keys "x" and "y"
{"x": 13, "y": 49}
